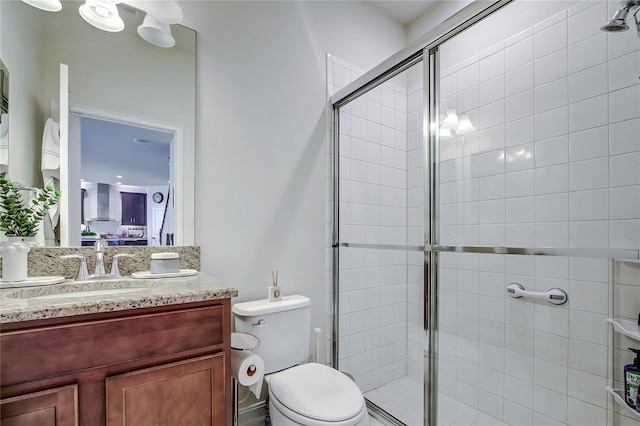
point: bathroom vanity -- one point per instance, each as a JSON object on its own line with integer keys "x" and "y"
{"x": 136, "y": 352}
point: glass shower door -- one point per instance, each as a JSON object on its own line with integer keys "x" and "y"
{"x": 539, "y": 183}
{"x": 380, "y": 257}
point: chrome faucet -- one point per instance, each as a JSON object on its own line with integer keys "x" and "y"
{"x": 98, "y": 269}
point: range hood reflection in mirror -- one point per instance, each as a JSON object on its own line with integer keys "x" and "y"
{"x": 103, "y": 205}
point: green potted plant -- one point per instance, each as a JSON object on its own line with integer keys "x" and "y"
{"x": 20, "y": 219}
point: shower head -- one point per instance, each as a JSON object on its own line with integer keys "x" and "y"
{"x": 619, "y": 21}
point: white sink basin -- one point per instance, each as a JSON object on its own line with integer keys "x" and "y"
{"x": 80, "y": 289}
{"x": 87, "y": 293}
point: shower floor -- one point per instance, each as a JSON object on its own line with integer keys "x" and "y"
{"x": 402, "y": 399}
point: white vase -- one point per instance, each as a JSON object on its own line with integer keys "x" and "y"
{"x": 14, "y": 260}
{"x": 30, "y": 241}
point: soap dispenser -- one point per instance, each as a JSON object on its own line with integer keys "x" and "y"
{"x": 632, "y": 381}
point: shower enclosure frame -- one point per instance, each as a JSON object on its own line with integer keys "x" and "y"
{"x": 426, "y": 50}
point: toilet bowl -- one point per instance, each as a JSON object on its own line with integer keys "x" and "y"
{"x": 315, "y": 395}
{"x": 300, "y": 393}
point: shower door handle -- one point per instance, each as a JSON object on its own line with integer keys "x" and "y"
{"x": 557, "y": 296}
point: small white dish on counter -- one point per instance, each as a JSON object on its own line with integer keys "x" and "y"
{"x": 32, "y": 282}
{"x": 181, "y": 273}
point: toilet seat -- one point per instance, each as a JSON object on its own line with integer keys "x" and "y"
{"x": 314, "y": 394}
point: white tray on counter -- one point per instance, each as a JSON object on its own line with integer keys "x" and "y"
{"x": 181, "y": 273}
{"x": 32, "y": 282}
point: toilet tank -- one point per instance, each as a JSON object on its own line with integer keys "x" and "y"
{"x": 283, "y": 327}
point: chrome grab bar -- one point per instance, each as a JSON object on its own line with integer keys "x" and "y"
{"x": 557, "y": 296}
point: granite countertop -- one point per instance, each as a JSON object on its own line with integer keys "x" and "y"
{"x": 21, "y": 304}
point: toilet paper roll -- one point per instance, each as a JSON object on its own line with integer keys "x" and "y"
{"x": 248, "y": 369}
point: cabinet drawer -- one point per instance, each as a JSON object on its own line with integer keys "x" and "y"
{"x": 51, "y": 351}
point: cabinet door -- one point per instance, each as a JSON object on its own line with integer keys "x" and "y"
{"x": 190, "y": 392}
{"x": 53, "y": 407}
{"x": 134, "y": 208}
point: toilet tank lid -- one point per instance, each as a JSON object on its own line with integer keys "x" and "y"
{"x": 264, "y": 306}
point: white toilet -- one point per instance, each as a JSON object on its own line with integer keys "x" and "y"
{"x": 299, "y": 394}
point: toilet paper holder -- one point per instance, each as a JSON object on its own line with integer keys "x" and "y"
{"x": 244, "y": 341}
{"x": 251, "y": 370}
{"x": 241, "y": 342}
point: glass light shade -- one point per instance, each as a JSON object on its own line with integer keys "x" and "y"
{"x": 165, "y": 11}
{"x": 451, "y": 120}
{"x": 102, "y": 15}
{"x": 445, "y": 134}
{"x": 156, "y": 33}
{"x": 48, "y": 5}
{"x": 465, "y": 126}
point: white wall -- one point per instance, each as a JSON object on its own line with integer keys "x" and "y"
{"x": 261, "y": 135}
{"x": 437, "y": 13}
{"x": 22, "y": 32}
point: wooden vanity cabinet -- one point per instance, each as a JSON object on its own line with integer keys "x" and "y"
{"x": 53, "y": 407}
{"x": 162, "y": 366}
{"x": 185, "y": 392}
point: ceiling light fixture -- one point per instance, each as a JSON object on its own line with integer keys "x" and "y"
{"x": 451, "y": 120}
{"x": 48, "y": 5}
{"x": 166, "y": 11}
{"x": 156, "y": 32}
{"x": 445, "y": 134}
{"x": 465, "y": 126}
{"x": 452, "y": 125}
{"x": 102, "y": 14}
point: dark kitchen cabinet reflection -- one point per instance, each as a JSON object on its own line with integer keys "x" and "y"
{"x": 134, "y": 208}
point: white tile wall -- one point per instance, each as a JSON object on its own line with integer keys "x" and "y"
{"x": 381, "y": 203}
{"x": 558, "y": 164}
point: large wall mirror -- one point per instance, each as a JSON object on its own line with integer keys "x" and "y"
{"x": 131, "y": 122}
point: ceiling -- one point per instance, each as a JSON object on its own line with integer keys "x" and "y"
{"x": 138, "y": 154}
{"x": 404, "y": 11}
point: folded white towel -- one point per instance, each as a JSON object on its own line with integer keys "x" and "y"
{"x": 50, "y": 164}
{"x": 51, "y": 147}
